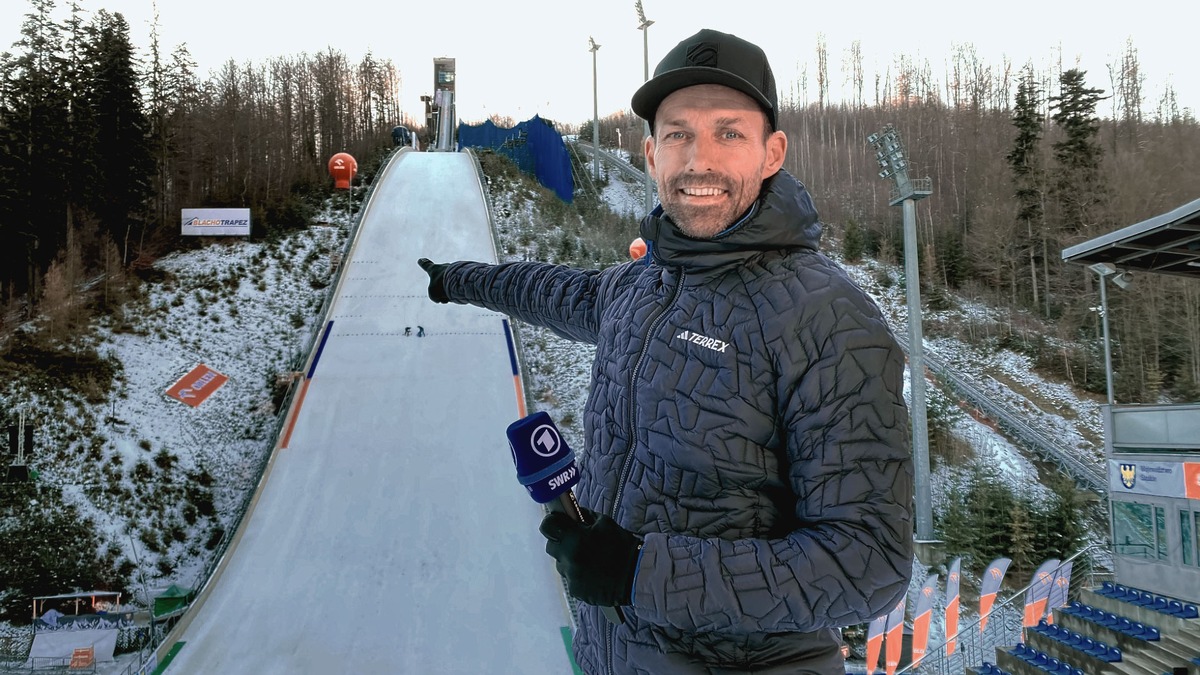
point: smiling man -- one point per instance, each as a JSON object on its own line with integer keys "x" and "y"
{"x": 710, "y": 153}
{"x": 746, "y": 479}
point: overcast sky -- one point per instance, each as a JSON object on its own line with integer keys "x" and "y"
{"x": 531, "y": 56}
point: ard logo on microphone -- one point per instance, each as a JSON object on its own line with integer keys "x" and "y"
{"x": 545, "y": 441}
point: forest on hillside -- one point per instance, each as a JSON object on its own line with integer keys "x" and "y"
{"x": 101, "y": 147}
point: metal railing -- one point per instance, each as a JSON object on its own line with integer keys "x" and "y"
{"x": 1003, "y": 623}
{"x": 1091, "y": 476}
{"x": 621, "y": 165}
{"x": 914, "y": 187}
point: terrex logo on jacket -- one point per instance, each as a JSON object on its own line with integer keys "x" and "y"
{"x": 710, "y": 343}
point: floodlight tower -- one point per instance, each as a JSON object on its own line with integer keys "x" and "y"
{"x": 595, "y": 113}
{"x": 906, "y": 192}
{"x": 643, "y": 25}
{"x": 1104, "y": 271}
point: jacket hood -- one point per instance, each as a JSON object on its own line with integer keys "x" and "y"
{"x": 783, "y": 217}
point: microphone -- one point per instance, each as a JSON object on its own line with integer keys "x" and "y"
{"x": 546, "y": 467}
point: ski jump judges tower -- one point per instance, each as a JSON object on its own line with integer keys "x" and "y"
{"x": 439, "y": 108}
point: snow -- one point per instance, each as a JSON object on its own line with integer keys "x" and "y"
{"x": 391, "y": 533}
{"x": 251, "y": 311}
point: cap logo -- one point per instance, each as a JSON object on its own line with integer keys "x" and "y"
{"x": 702, "y": 54}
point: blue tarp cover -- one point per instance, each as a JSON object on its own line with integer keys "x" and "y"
{"x": 533, "y": 145}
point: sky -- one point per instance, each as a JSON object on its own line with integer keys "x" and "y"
{"x": 527, "y": 57}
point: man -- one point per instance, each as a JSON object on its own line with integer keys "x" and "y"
{"x": 747, "y": 470}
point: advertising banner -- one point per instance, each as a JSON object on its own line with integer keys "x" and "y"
{"x": 894, "y": 639}
{"x": 952, "y": 581}
{"x": 1191, "y": 478}
{"x": 1159, "y": 479}
{"x": 1039, "y": 592}
{"x": 1059, "y": 592}
{"x": 924, "y": 615}
{"x": 210, "y": 222}
{"x": 199, "y": 383}
{"x": 875, "y": 642}
{"x": 989, "y": 587}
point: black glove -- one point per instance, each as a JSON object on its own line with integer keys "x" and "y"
{"x": 597, "y": 560}
{"x": 436, "y": 272}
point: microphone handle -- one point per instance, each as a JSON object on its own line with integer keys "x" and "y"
{"x": 567, "y": 504}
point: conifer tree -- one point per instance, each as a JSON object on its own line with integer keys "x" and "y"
{"x": 1028, "y": 177}
{"x": 33, "y": 158}
{"x": 991, "y": 502}
{"x": 121, "y": 143}
{"x": 1020, "y": 529}
{"x": 956, "y": 528}
{"x": 1060, "y": 532}
{"x": 1079, "y": 185}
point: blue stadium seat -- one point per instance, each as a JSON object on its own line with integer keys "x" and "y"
{"x": 1107, "y": 588}
{"x": 1190, "y": 612}
{"x": 1120, "y": 591}
{"x": 1074, "y": 640}
{"x": 1114, "y": 655}
{"x": 1040, "y": 660}
{"x": 1160, "y": 604}
{"x": 1125, "y": 626}
{"x": 1098, "y": 649}
{"x": 1152, "y": 634}
{"x": 1175, "y": 607}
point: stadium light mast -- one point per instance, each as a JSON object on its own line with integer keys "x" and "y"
{"x": 906, "y": 192}
{"x": 1104, "y": 271}
{"x": 643, "y": 25}
{"x": 595, "y": 113}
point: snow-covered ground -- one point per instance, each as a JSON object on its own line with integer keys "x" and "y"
{"x": 391, "y": 534}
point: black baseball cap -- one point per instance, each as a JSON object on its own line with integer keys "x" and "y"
{"x": 710, "y": 57}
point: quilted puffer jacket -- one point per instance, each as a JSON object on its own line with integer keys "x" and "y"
{"x": 747, "y": 419}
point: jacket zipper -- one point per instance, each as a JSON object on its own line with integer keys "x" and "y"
{"x": 627, "y": 462}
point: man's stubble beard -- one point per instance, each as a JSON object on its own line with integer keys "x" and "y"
{"x": 705, "y": 222}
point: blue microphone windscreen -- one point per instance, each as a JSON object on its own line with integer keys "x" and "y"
{"x": 545, "y": 463}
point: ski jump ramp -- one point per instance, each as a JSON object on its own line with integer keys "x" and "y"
{"x": 390, "y": 534}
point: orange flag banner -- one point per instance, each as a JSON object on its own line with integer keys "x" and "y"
{"x": 894, "y": 638}
{"x": 924, "y": 615}
{"x": 875, "y": 642}
{"x": 990, "y": 586}
{"x": 1039, "y": 592}
{"x": 952, "y": 596}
